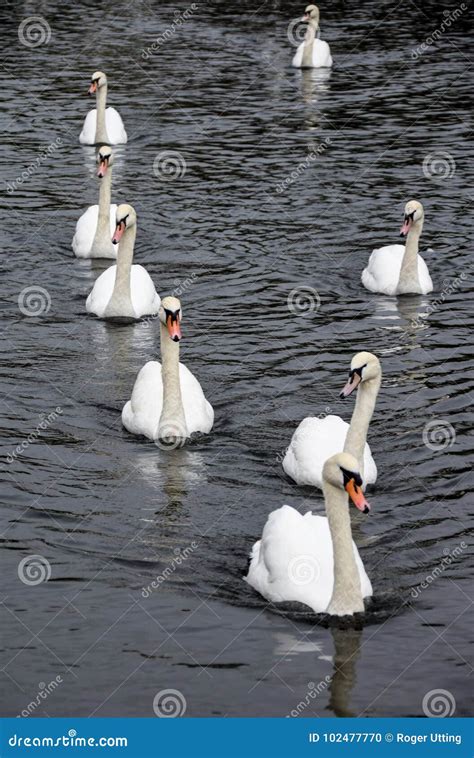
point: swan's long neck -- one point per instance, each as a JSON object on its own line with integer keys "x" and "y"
{"x": 100, "y": 130}
{"x": 409, "y": 280}
{"x": 120, "y": 304}
{"x": 102, "y": 239}
{"x": 310, "y": 35}
{"x": 347, "y": 593}
{"x": 172, "y": 424}
{"x": 356, "y": 436}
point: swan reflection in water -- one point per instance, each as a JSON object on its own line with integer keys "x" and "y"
{"x": 405, "y": 321}
{"x": 314, "y": 83}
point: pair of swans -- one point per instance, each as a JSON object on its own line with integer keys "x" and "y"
{"x": 313, "y": 559}
{"x": 399, "y": 269}
{"x": 313, "y": 52}
{"x": 102, "y": 125}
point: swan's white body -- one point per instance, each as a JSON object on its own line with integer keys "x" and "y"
{"x": 382, "y": 273}
{"x": 115, "y": 130}
{"x": 141, "y": 414}
{"x": 320, "y": 55}
{"x": 145, "y": 300}
{"x": 314, "y": 441}
{"x": 294, "y": 560}
{"x": 85, "y": 232}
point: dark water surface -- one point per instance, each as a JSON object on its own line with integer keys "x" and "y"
{"x": 111, "y": 513}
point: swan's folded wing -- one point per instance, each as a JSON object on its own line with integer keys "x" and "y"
{"x": 383, "y": 269}
{"x": 298, "y": 56}
{"x": 145, "y": 299}
{"x": 115, "y": 128}
{"x": 294, "y": 561}
{"x": 142, "y": 412}
{"x": 198, "y": 411}
{"x": 87, "y": 136}
{"x": 313, "y": 442}
{"x": 85, "y": 232}
{"x": 101, "y": 292}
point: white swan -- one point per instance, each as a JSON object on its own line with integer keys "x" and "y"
{"x": 312, "y": 559}
{"x": 102, "y": 125}
{"x": 398, "y": 269}
{"x": 124, "y": 292}
{"x": 94, "y": 229}
{"x": 317, "y": 438}
{"x": 167, "y": 400}
{"x": 313, "y": 52}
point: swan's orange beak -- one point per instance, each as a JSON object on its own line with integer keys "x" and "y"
{"x": 407, "y": 222}
{"x": 174, "y": 327}
{"x": 118, "y": 234}
{"x": 92, "y": 89}
{"x": 351, "y": 385}
{"x": 305, "y": 18}
{"x": 357, "y": 496}
{"x": 102, "y": 170}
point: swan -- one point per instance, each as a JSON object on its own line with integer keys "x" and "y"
{"x": 317, "y": 438}
{"x": 313, "y": 559}
{"x": 313, "y": 52}
{"x": 102, "y": 125}
{"x": 398, "y": 269}
{"x": 124, "y": 292}
{"x": 167, "y": 400}
{"x": 95, "y": 227}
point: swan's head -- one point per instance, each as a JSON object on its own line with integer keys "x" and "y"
{"x": 98, "y": 80}
{"x": 105, "y": 158}
{"x": 342, "y": 471}
{"x": 170, "y": 315}
{"x": 413, "y": 215}
{"x": 364, "y": 367}
{"x": 125, "y": 217}
{"x": 311, "y": 13}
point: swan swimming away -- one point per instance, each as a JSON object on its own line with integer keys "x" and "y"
{"x": 167, "y": 400}
{"x": 398, "y": 269}
{"x": 124, "y": 292}
{"x": 94, "y": 229}
{"x": 313, "y": 52}
{"x": 102, "y": 125}
{"x": 313, "y": 559}
{"x": 317, "y": 438}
